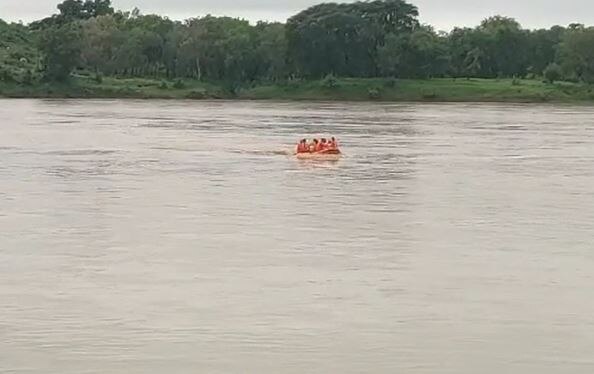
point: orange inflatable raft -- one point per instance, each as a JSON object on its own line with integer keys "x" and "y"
{"x": 326, "y": 155}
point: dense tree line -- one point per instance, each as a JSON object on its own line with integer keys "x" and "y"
{"x": 380, "y": 38}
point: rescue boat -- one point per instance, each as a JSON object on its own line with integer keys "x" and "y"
{"x": 325, "y": 155}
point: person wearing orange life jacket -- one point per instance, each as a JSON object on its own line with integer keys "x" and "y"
{"x": 315, "y": 147}
{"x": 321, "y": 145}
{"x": 333, "y": 143}
{"x": 302, "y": 146}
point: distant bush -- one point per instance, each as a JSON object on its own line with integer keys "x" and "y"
{"x": 197, "y": 95}
{"x": 429, "y": 95}
{"x": 179, "y": 85}
{"x": 544, "y": 97}
{"x": 126, "y": 91}
{"x": 5, "y": 75}
{"x": 553, "y": 73}
{"x": 163, "y": 85}
{"x": 98, "y": 78}
{"x": 330, "y": 82}
{"x": 291, "y": 84}
{"x": 232, "y": 87}
{"x": 28, "y": 78}
{"x": 516, "y": 82}
{"x": 373, "y": 93}
{"x": 391, "y": 82}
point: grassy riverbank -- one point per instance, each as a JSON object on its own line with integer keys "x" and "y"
{"x": 458, "y": 90}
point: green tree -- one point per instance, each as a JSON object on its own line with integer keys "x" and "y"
{"x": 72, "y": 10}
{"x": 553, "y": 73}
{"x": 343, "y": 39}
{"x": 271, "y": 51}
{"x": 61, "y": 47}
{"x": 172, "y": 41}
{"x": 77, "y": 9}
{"x": 474, "y": 62}
{"x": 577, "y": 53}
{"x": 471, "y": 53}
{"x": 355, "y": 39}
{"x": 19, "y": 55}
{"x": 506, "y": 44}
{"x": 543, "y": 47}
{"x": 96, "y": 8}
{"x": 420, "y": 54}
{"x": 102, "y": 37}
{"x": 219, "y": 48}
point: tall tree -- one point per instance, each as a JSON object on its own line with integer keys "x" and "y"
{"x": 72, "y": 10}
{"x": 577, "y": 53}
{"x": 96, "y": 8}
{"x": 271, "y": 51}
{"x": 420, "y": 54}
{"x": 62, "y": 47}
{"x": 343, "y": 39}
{"x": 356, "y": 39}
{"x": 506, "y": 45}
{"x": 543, "y": 47}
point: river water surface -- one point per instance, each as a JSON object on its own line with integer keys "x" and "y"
{"x": 176, "y": 237}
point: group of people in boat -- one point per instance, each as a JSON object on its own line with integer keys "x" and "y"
{"x": 317, "y": 145}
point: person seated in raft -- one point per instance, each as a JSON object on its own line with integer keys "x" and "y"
{"x": 315, "y": 146}
{"x": 323, "y": 144}
{"x": 319, "y": 146}
{"x": 302, "y": 147}
{"x": 333, "y": 143}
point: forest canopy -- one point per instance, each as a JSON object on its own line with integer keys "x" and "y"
{"x": 382, "y": 38}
